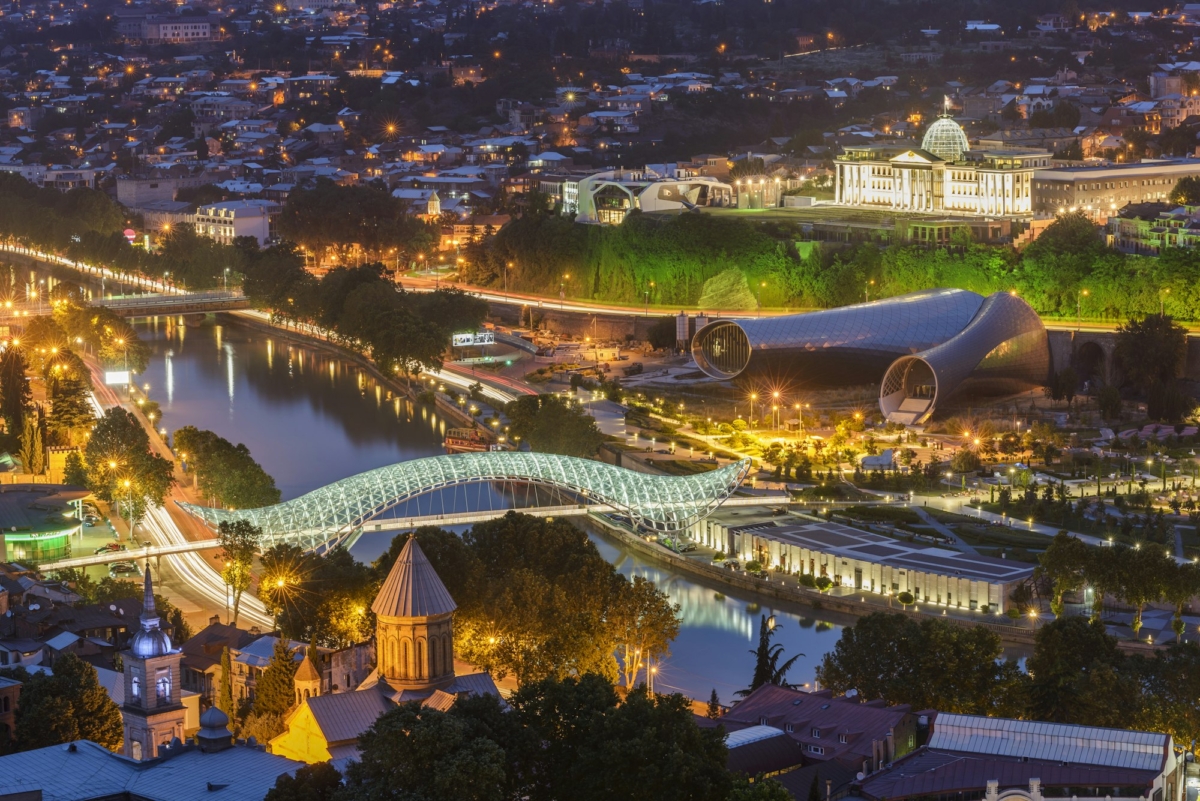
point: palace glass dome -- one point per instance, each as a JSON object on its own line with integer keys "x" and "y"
{"x": 946, "y": 140}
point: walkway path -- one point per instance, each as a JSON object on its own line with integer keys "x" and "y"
{"x": 945, "y": 531}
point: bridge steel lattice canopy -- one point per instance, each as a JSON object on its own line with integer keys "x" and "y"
{"x": 333, "y": 512}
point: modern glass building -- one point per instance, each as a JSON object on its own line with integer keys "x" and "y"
{"x": 922, "y": 348}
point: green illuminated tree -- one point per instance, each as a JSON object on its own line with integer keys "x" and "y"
{"x": 118, "y": 452}
{"x": 551, "y": 425}
{"x": 224, "y": 700}
{"x": 644, "y": 623}
{"x": 15, "y": 395}
{"x": 239, "y": 542}
{"x": 1064, "y": 563}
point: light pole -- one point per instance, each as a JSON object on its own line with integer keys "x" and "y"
{"x": 507, "y": 267}
{"x": 1162, "y": 306}
{"x": 562, "y": 290}
{"x": 775, "y": 410}
{"x": 129, "y": 504}
{"x": 128, "y": 389}
{"x": 1079, "y": 296}
{"x": 867, "y": 290}
{"x": 753, "y": 398}
{"x": 226, "y": 279}
{"x": 758, "y": 296}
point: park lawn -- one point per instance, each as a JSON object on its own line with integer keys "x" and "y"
{"x": 683, "y": 467}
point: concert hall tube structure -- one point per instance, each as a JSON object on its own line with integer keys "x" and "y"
{"x": 921, "y": 343}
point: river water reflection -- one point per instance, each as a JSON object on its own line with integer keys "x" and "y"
{"x": 310, "y": 419}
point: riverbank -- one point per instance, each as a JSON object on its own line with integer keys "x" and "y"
{"x": 854, "y": 604}
{"x": 448, "y": 410}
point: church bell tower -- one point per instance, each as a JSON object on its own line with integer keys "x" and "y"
{"x": 153, "y": 711}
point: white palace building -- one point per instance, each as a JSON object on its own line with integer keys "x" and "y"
{"x": 942, "y": 176}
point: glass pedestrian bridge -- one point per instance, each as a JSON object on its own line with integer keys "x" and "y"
{"x": 337, "y": 511}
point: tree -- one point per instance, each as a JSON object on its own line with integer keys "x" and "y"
{"x": 70, "y": 409}
{"x": 121, "y": 467}
{"x": 551, "y": 425}
{"x": 767, "y": 669}
{"x": 15, "y": 395}
{"x": 224, "y": 700}
{"x": 181, "y": 632}
{"x": 274, "y": 693}
{"x": 430, "y": 754}
{"x": 928, "y": 664}
{"x": 33, "y": 451}
{"x": 714, "y": 706}
{"x": 1142, "y": 579}
{"x": 1109, "y": 401}
{"x": 644, "y": 623}
{"x": 70, "y": 705}
{"x": 1076, "y": 676}
{"x": 1064, "y": 564}
{"x": 1187, "y": 189}
{"x": 225, "y": 472}
{"x": 1150, "y": 350}
{"x": 74, "y": 473}
{"x": 1180, "y": 586}
{"x": 319, "y": 782}
{"x": 758, "y": 790}
{"x": 964, "y": 460}
{"x": 1170, "y": 686}
{"x": 239, "y": 542}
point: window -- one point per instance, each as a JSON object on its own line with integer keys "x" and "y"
{"x": 816, "y": 733}
{"x": 843, "y": 739}
{"x": 136, "y": 687}
{"x": 762, "y": 721}
{"x": 162, "y": 684}
{"x": 788, "y": 727}
{"x": 816, "y": 749}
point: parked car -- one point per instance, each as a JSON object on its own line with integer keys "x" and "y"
{"x": 732, "y": 564}
{"x": 90, "y": 520}
{"x": 109, "y": 547}
{"x": 687, "y": 547}
{"x": 634, "y": 369}
{"x": 117, "y": 569}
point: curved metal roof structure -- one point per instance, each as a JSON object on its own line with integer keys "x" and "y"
{"x": 1003, "y": 349}
{"x": 660, "y": 503}
{"x": 865, "y": 335}
{"x": 926, "y": 345}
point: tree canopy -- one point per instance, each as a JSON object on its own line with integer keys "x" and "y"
{"x": 120, "y": 465}
{"x": 549, "y": 424}
{"x": 225, "y": 472}
{"x": 70, "y": 705}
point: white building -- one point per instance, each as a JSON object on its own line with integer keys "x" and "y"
{"x": 942, "y": 176}
{"x": 176, "y": 30}
{"x": 227, "y": 221}
{"x": 607, "y": 197}
{"x": 864, "y": 562}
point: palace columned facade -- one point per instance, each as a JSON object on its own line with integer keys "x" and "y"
{"x": 941, "y": 176}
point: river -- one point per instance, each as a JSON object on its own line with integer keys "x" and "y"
{"x": 311, "y": 418}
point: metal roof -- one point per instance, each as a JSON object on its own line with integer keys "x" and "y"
{"x": 753, "y": 734}
{"x": 1086, "y": 745}
{"x": 344, "y": 716}
{"x": 91, "y": 771}
{"x": 412, "y": 587}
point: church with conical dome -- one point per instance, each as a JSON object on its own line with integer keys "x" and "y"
{"x": 941, "y": 176}
{"x": 414, "y": 661}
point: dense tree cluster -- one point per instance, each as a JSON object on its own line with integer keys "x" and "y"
{"x": 1076, "y": 674}
{"x": 120, "y": 466}
{"x": 550, "y": 424}
{"x": 319, "y": 599}
{"x": 570, "y": 738}
{"x": 69, "y": 705}
{"x": 225, "y": 472}
{"x": 332, "y": 216}
{"x": 535, "y": 599}
{"x": 674, "y": 259}
{"x": 404, "y": 332}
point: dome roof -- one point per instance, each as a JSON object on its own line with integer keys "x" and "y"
{"x": 214, "y": 718}
{"x": 946, "y": 140}
{"x": 150, "y": 642}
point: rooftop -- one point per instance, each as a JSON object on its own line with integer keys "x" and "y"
{"x": 412, "y": 588}
{"x": 84, "y": 771}
{"x": 842, "y": 540}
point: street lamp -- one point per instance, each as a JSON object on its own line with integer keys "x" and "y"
{"x": 507, "y": 267}
{"x": 1079, "y": 296}
{"x": 753, "y": 398}
{"x": 867, "y": 290}
{"x": 562, "y": 290}
{"x": 129, "y": 503}
{"x": 1162, "y": 302}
